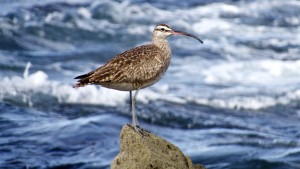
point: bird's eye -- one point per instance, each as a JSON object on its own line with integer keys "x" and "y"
{"x": 162, "y": 29}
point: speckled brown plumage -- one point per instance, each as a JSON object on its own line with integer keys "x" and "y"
{"x": 133, "y": 69}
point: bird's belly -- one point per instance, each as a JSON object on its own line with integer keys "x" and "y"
{"x": 127, "y": 86}
{"x": 119, "y": 86}
{"x": 147, "y": 84}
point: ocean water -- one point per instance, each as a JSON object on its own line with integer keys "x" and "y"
{"x": 230, "y": 103}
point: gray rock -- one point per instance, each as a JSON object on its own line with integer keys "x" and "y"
{"x": 144, "y": 150}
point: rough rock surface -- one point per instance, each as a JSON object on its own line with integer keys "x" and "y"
{"x": 144, "y": 150}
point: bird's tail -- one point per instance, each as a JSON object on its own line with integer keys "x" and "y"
{"x": 83, "y": 80}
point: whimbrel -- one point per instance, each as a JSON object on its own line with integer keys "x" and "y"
{"x": 135, "y": 68}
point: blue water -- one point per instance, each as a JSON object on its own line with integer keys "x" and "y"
{"x": 231, "y": 103}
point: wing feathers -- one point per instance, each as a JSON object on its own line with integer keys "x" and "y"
{"x": 126, "y": 67}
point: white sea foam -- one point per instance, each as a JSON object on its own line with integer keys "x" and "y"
{"x": 250, "y": 85}
{"x": 84, "y": 12}
{"x": 38, "y": 83}
{"x": 256, "y": 72}
{"x": 254, "y": 84}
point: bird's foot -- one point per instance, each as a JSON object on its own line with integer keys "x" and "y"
{"x": 140, "y": 130}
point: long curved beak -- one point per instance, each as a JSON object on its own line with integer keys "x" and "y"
{"x": 186, "y": 34}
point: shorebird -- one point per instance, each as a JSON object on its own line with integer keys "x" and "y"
{"x": 136, "y": 68}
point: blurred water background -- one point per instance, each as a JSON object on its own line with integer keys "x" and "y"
{"x": 231, "y": 103}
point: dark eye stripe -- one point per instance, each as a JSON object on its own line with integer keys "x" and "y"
{"x": 162, "y": 29}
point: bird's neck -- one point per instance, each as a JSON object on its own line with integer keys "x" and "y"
{"x": 162, "y": 43}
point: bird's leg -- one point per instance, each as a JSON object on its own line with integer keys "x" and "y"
{"x": 135, "y": 121}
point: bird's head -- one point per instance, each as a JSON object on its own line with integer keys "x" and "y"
{"x": 163, "y": 31}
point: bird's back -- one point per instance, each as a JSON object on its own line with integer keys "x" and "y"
{"x": 133, "y": 69}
